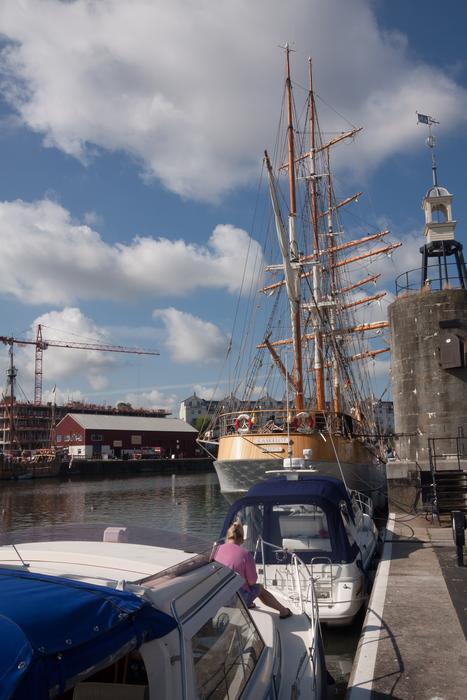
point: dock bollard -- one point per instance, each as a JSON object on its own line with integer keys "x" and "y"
{"x": 459, "y": 524}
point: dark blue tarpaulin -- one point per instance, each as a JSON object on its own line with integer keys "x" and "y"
{"x": 326, "y": 492}
{"x": 52, "y": 629}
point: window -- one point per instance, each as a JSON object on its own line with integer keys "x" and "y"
{"x": 96, "y": 438}
{"x": 225, "y": 652}
{"x": 302, "y": 527}
{"x": 58, "y": 438}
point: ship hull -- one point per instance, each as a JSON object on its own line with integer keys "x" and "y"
{"x": 244, "y": 460}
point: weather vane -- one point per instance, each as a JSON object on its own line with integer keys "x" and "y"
{"x": 430, "y": 142}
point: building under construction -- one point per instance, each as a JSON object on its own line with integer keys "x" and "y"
{"x": 28, "y": 426}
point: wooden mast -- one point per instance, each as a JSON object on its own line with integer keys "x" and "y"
{"x": 318, "y": 354}
{"x": 296, "y": 325}
{"x": 336, "y": 399}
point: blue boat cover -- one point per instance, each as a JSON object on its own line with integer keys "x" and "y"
{"x": 53, "y": 628}
{"x": 324, "y": 491}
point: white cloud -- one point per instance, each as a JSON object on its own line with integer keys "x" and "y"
{"x": 209, "y": 393}
{"x": 189, "y": 338}
{"x": 60, "y": 364}
{"x": 153, "y": 399}
{"x": 188, "y": 89}
{"x": 39, "y": 240}
{"x": 62, "y": 396}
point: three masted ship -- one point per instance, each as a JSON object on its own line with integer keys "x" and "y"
{"x": 315, "y": 343}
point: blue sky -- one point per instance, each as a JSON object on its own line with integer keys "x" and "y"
{"x": 131, "y": 139}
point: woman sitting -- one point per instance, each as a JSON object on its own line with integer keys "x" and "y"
{"x": 240, "y": 560}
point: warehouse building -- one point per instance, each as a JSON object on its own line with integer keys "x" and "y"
{"x": 96, "y": 436}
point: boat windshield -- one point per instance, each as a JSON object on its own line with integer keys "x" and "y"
{"x": 295, "y": 527}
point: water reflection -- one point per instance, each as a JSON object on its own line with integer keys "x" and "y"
{"x": 188, "y": 503}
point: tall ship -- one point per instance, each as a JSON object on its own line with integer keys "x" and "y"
{"x": 311, "y": 347}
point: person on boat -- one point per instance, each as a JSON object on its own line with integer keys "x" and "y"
{"x": 272, "y": 426}
{"x": 240, "y": 560}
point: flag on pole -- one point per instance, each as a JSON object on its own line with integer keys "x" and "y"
{"x": 423, "y": 118}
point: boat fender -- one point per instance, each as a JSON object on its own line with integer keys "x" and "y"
{"x": 243, "y": 423}
{"x": 304, "y": 421}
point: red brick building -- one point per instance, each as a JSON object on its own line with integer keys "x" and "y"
{"x": 99, "y": 436}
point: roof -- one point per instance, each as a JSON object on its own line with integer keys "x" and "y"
{"x": 438, "y": 191}
{"x": 96, "y": 421}
{"x": 44, "y": 645}
{"x": 307, "y": 487}
{"x": 323, "y": 491}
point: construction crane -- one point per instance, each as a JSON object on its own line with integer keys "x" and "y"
{"x": 42, "y": 345}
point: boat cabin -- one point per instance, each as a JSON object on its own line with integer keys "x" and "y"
{"x": 308, "y": 514}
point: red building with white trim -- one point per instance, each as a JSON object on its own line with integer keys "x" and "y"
{"x": 90, "y": 435}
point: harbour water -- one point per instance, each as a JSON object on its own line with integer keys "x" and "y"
{"x": 189, "y": 503}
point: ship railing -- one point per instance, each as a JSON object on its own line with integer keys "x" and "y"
{"x": 258, "y": 420}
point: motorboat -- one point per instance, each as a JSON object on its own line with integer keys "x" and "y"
{"x": 98, "y": 611}
{"x": 302, "y": 515}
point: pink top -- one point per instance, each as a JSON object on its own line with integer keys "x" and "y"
{"x": 239, "y": 560}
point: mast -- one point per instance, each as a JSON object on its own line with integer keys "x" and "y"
{"x": 318, "y": 354}
{"x": 295, "y": 304}
{"x": 336, "y": 402}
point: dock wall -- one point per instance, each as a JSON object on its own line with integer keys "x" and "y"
{"x": 113, "y": 467}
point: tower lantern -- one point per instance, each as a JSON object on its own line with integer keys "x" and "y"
{"x": 440, "y": 243}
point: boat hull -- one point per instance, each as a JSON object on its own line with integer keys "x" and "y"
{"x": 244, "y": 460}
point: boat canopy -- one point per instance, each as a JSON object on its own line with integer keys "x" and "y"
{"x": 309, "y": 492}
{"x": 52, "y": 629}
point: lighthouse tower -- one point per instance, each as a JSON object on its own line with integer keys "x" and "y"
{"x": 428, "y": 322}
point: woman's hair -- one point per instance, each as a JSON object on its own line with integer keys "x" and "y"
{"x": 235, "y": 532}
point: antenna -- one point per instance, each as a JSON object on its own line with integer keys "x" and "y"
{"x": 430, "y": 142}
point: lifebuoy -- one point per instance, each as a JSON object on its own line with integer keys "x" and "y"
{"x": 303, "y": 422}
{"x": 243, "y": 423}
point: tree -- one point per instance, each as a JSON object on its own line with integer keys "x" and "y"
{"x": 200, "y": 423}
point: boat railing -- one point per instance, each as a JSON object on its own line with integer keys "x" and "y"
{"x": 323, "y": 579}
{"x": 298, "y": 579}
{"x": 363, "y": 502}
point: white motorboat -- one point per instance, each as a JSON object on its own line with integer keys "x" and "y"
{"x": 304, "y": 522}
{"x": 101, "y": 612}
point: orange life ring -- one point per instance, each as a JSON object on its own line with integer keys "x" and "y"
{"x": 243, "y": 423}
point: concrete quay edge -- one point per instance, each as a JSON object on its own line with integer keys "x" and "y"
{"x": 413, "y": 645}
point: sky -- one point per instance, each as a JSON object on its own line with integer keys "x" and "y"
{"x": 131, "y": 143}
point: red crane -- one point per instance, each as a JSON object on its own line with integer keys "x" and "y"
{"x": 42, "y": 345}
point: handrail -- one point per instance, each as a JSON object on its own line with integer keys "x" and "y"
{"x": 312, "y": 611}
{"x": 409, "y": 281}
{"x": 295, "y": 561}
{"x": 364, "y": 502}
{"x": 434, "y": 455}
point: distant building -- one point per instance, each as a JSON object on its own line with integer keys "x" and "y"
{"x": 195, "y": 407}
{"x": 92, "y": 435}
{"x": 384, "y": 416}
